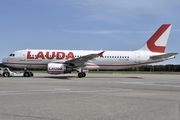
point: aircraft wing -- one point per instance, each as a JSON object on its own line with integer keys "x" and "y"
{"x": 81, "y": 60}
{"x": 163, "y": 56}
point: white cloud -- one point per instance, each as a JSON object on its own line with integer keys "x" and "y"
{"x": 105, "y": 31}
{"x": 127, "y": 10}
{"x": 120, "y": 11}
{"x": 129, "y": 6}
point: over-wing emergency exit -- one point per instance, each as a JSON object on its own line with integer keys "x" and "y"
{"x": 66, "y": 61}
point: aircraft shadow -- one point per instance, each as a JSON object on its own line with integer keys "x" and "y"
{"x": 93, "y": 77}
{"x": 134, "y": 77}
{"x": 113, "y": 77}
{"x": 56, "y": 77}
{"x": 69, "y": 77}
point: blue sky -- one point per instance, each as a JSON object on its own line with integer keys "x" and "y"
{"x": 86, "y": 24}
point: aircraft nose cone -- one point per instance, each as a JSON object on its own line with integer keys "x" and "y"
{"x": 4, "y": 60}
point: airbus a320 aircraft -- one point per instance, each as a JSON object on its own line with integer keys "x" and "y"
{"x": 66, "y": 61}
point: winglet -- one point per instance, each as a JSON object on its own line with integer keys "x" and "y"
{"x": 101, "y": 54}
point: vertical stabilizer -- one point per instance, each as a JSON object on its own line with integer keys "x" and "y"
{"x": 158, "y": 41}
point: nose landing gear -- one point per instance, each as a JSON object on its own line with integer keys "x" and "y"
{"x": 28, "y": 73}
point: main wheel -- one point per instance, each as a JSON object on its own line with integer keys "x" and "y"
{"x": 5, "y": 74}
{"x": 84, "y": 74}
{"x": 80, "y": 74}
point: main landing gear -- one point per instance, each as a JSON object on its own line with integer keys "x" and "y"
{"x": 81, "y": 74}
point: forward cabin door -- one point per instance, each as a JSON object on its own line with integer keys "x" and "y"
{"x": 23, "y": 54}
{"x": 137, "y": 57}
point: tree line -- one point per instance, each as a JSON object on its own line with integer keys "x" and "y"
{"x": 168, "y": 67}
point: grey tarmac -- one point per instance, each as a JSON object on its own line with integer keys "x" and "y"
{"x": 95, "y": 97}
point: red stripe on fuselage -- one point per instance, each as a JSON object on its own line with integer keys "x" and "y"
{"x": 6, "y": 63}
{"x": 122, "y": 64}
{"x": 32, "y": 64}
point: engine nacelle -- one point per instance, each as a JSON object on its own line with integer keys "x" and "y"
{"x": 56, "y": 68}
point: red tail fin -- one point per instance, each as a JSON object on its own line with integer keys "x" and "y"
{"x": 158, "y": 41}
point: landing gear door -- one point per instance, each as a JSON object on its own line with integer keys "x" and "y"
{"x": 137, "y": 57}
{"x": 22, "y": 56}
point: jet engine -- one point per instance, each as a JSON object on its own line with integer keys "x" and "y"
{"x": 56, "y": 68}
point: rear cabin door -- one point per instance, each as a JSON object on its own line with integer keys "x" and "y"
{"x": 137, "y": 57}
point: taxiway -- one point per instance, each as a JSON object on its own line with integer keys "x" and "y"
{"x": 96, "y": 97}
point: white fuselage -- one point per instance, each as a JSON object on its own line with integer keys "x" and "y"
{"x": 65, "y": 61}
{"x": 110, "y": 60}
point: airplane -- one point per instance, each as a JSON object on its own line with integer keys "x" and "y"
{"x": 66, "y": 61}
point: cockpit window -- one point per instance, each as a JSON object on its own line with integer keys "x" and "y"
{"x": 12, "y": 55}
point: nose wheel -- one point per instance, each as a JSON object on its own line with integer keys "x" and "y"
{"x": 81, "y": 74}
{"x": 28, "y": 73}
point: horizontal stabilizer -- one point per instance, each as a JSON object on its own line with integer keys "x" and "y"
{"x": 163, "y": 56}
